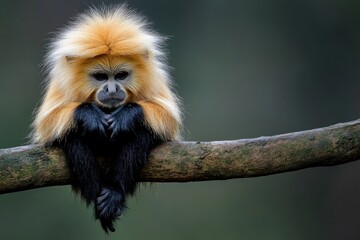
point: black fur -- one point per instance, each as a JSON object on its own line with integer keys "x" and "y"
{"x": 123, "y": 140}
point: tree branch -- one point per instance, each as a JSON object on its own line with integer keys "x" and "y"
{"x": 32, "y": 166}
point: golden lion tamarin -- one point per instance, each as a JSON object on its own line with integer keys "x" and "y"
{"x": 108, "y": 97}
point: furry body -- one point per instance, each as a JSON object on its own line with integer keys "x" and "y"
{"x": 108, "y": 96}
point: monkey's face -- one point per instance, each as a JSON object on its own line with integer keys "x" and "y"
{"x": 110, "y": 93}
{"x": 111, "y": 78}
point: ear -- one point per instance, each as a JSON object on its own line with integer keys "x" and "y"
{"x": 70, "y": 59}
{"x": 145, "y": 54}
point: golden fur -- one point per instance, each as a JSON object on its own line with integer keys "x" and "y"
{"x": 107, "y": 37}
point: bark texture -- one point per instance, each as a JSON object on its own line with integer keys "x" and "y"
{"x": 32, "y": 166}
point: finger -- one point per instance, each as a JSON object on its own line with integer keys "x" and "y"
{"x": 105, "y": 123}
{"x": 101, "y": 199}
{"x": 112, "y": 126}
{"x": 104, "y": 208}
{"x": 110, "y": 119}
{"x": 107, "y": 116}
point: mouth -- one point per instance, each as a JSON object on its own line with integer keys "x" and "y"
{"x": 112, "y": 102}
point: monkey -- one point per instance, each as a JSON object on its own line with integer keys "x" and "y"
{"x": 108, "y": 101}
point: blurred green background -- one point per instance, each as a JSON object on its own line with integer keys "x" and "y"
{"x": 245, "y": 69}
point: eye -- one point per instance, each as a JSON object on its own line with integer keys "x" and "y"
{"x": 100, "y": 76}
{"x": 121, "y": 75}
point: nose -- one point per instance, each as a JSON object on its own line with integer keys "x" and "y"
{"x": 112, "y": 88}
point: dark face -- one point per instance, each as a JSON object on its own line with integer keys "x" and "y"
{"x": 111, "y": 93}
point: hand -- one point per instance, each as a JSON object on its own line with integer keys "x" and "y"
{"x": 90, "y": 120}
{"x": 124, "y": 120}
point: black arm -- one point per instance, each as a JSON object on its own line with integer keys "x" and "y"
{"x": 87, "y": 135}
{"x": 130, "y": 143}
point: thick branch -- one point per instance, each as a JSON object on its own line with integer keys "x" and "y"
{"x": 32, "y": 166}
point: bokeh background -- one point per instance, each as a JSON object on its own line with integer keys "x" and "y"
{"x": 244, "y": 69}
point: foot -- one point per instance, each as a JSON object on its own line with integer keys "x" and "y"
{"x": 110, "y": 204}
